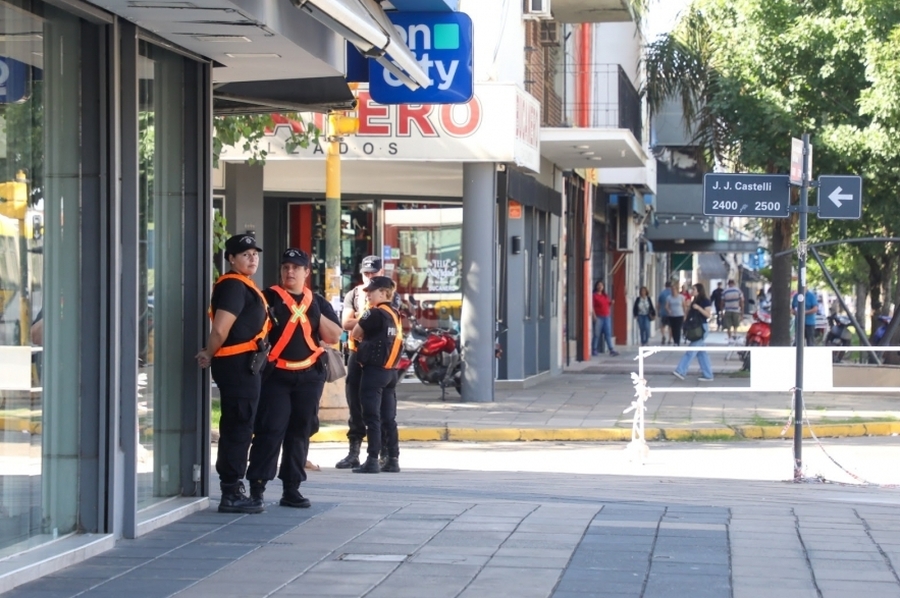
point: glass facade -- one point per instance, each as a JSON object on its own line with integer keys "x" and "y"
{"x": 160, "y": 277}
{"x": 40, "y": 273}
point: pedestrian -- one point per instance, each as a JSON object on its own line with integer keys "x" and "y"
{"x": 810, "y": 309}
{"x": 236, "y": 351}
{"x": 716, "y": 299}
{"x": 675, "y": 308}
{"x": 700, "y": 310}
{"x": 662, "y": 301}
{"x": 733, "y": 302}
{"x": 380, "y": 337}
{"x": 602, "y": 305}
{"x": 354, "y": 306}
{"x": 685, "y": 292}
{"x": 644, "y": 311}
{"x": 292, "y": 382}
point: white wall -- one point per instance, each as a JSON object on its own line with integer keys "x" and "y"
{"x": 426, "y": 179}
{"x": 619, "y": 43}
{"x": 499, "y": 39}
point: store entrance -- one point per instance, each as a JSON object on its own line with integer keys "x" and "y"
{"x": 306, "y": 230}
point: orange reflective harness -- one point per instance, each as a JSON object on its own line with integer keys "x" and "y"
{"x": 298, "y": 316}
{"x": 394, "y": 357}
{"x": 252, "y": 344}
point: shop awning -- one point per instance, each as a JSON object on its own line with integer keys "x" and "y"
{"x": 365, "y": 24}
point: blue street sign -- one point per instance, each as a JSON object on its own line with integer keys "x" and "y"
{"x": 442, "y": 44}
{"x": 757, "y": 195}
{"x": 840, "y": 197}
{"x": 15, "y": 85}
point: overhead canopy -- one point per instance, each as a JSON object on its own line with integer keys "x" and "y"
{"x": 365, "y": 24}
{"x": 293, "y": 95}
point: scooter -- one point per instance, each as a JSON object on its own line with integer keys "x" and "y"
{"x": 839, "y": 336}
{"x": 758, "y": 335}
{"x": 412, "y": 344}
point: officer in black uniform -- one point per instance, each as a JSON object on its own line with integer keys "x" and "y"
{"x": 236, "y": 350}
{"x": 354, "y": 305}
{"x": 293, "y": 381}
{"x": 380, "y": 338}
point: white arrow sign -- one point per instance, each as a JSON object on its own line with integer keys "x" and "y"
{"x": 837, "y": 197}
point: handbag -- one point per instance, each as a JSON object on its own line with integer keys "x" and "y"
{"x": 334, "y": 364}
{"x": 693, "y": 326}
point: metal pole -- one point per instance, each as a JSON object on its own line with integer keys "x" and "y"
{"x": 863, "y": 339}
{"x": 332, "y": 210}
{"x": 801, "y": 314}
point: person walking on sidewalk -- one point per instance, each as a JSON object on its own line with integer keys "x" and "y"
{"x": 380, "y": 338}
{"x": 662, "y": 301}
{"x": 602, "y": 305}
{"x": 236, "y": 351}
{"x": 354, "y": 306}
{"x": 675, "y": 306}
{"x": 716, "y": 299}
{"x": 700, "y": 310}
{"x": 733, "y": 302}
{"x": 644, "y": 311}
{"x": 293, "y": 381}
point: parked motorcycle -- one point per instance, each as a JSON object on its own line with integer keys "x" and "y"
{"x": 839, "y": 335}
{"x": 758, "y": 335}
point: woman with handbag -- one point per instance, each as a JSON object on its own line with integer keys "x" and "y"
{"x": 695, "y": 330}
{"x": 292, "y": 382}
{"x": 644, "y": 311}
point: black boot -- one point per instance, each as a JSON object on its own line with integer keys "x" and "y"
{"x": 352, "y": 458}
{"x": 370, "y": 466}
{"x": 382, "y": 457}
{"x": 392, "y": 465}
{"x": 235, "y": 501}
{"x": 257, "y": 489}
{"x": 291, "y": 497}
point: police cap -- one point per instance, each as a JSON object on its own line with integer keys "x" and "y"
{"x": 240, "y": 243}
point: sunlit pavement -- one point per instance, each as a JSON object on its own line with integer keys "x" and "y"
{"x": 567, "y": 520}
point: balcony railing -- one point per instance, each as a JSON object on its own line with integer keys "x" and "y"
{"x": 612, "y": 101}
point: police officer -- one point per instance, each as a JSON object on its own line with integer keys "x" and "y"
{"x": 354, "y": 306}
{"x": 380, "y": 338}
{"x": 293, "y": 381}
{"x": 236, "y": 351}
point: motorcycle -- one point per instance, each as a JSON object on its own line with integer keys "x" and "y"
{"x": 412, "y": 343}
{"x": 758, "y": 335}
{"x": 838, "y": 336}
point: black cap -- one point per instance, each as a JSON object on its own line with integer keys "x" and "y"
{"x": 379, "y": 282}
{"x": 240, "y": 243}
{"x": 295, "y": 256}
{"x": 370, "y": 263}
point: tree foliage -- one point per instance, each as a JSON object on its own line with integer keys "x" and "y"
{"x": 751, "y": 74}
{"x": 248, "y": 130}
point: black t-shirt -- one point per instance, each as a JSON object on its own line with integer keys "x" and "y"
{"x": 297, "y": 349}
{"x": 237, "y": 298}
{"x": 695, "y": 315}
{"x": 379, "y": 332}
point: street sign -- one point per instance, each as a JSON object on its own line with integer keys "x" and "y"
{"x": 755, "y": 195}
{"x": 840, "y": 197}
{"x": 797, "y": 162}
{"x": 442, "y": 45}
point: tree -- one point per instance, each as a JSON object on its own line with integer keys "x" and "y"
{"x": 247, "y": 131}
{"x": 751, "y": 74}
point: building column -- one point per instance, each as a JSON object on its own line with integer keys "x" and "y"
{"x": 479, "y": 281}
{"x": 515, "y": 307}
{"x": 244, "y": 206}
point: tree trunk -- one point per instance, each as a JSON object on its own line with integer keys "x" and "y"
{"x": 876, "y": 280}
{"x": 782, "y": 233}
{"x": 862, "y": 291}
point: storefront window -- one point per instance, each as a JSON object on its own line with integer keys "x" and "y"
{"x": 422, "y": 252}
{"x": 40, "y": 262}
{"x": 160, "y": 280}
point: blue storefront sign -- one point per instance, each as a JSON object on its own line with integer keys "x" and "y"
{"x": 442, "y": 44}
{"x": 14, "y": 81}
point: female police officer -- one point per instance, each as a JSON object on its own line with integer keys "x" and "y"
{"x": 293, "y": 381}
{"x": 380, "y": 339}
{"x": 236, "y": 350}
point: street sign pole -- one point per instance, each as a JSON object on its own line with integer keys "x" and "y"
{"x": 800, "y": 336}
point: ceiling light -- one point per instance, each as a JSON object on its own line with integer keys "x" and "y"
{"x": 581, "y": 146}
{"x": 587, "y": 153}
{"x": 219, "y": 38}
{"x": 596, "y": 158}
{"x": 252, "y": 55}
{"x": 161, "y": 5}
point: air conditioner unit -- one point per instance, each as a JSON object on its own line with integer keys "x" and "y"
{"x": 549, "y": 34}
{"x": 537, "y": 9}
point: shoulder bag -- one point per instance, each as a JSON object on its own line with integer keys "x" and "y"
{"x": 334, "y": 363}
{"x": 693, "y": 325}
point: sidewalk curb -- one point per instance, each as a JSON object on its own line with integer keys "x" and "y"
{"x": 737, "y": 433}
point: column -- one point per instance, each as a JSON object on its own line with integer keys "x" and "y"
{"x": 479, "y": 281}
